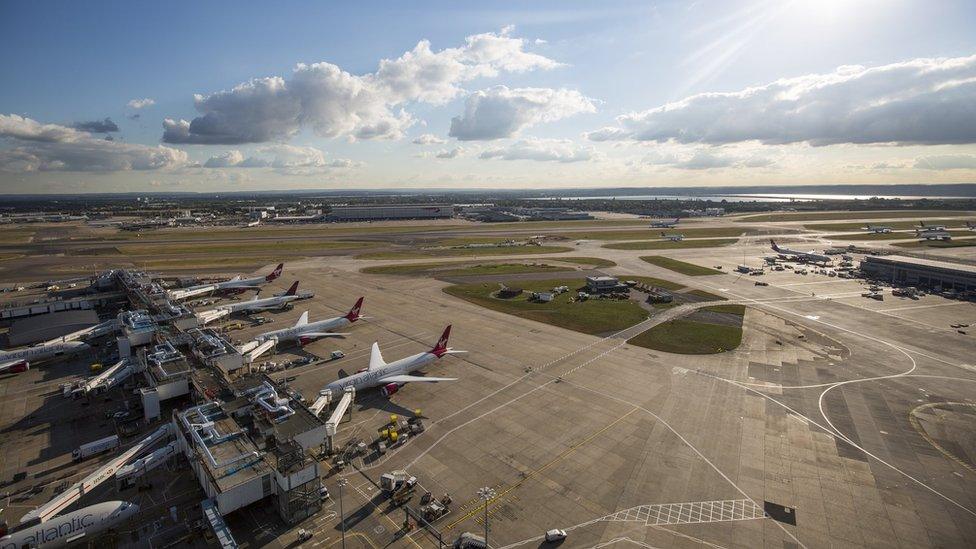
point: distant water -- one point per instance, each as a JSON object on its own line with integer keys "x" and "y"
{"x": 744, "y": 197}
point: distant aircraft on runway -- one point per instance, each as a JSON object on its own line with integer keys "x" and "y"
{"x": 390, "y": 377}
{"x": 20, "y": 360}
{"x": 809, "y": 257}
{"x": 923, "y": 227}
{"x": 664, "y": 223}
{"x": 971, "y": 226}
{"x": 933, "y": 234}
{"x": 877, "y": 229}
{"x": 673, "y": 237}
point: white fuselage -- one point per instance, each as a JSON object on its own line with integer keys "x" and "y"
{"x": 295, "y": 332}
{"x": 805, "y": 256}
{"x": 276, "y": 302}
{"x": 372, "y": 378}
{"x": 41, "y": 352}
{"x": 933, "y": 234}
{"x": 78, "y": 525}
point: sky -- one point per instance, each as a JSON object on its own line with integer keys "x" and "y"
{"x": 214, "y": 96}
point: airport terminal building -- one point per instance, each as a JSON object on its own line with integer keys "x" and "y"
{"x": 915, "y": 271}
{"x": 391, "y": 211}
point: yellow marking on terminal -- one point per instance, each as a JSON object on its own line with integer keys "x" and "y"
{"x": 918, "y": 427}
{"x": 531, "y": 474}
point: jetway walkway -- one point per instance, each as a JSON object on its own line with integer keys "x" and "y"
{"x": 147, "y": 463}
{"x": 63, "y": 500}
{"x": 178, "y": 295}
{"x": 112, "y": 376}
{"x": 210, "y": 315}
{"x": 97, "y": 330}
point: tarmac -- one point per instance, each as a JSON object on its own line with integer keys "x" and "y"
{"x": 839, "y": 422}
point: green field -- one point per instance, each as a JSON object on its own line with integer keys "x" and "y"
{"x": 955, "y": 243}
{"x": 688, "y": 337}
{"x": 260, "y": 246}
{"x": 819, "y": 216}
{"x": 671, "y": 245}
{"x": 893, "y": 224}
{"x": 463, "y": 268}
{"x": 659, "y": 282}
{"x": 464, "y": 252}
{"x": 15, "y": 236}
{"x": 739, "y": 310}
{"x": 706, "y": 232}
{"x": 204, "y": 263}
{"x": 682, "y": 267}
{"x": 594, "y": 316}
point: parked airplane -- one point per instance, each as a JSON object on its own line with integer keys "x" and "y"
{"x": 235, "y": 285}
{"x": 305, "y": 332}
{"x": 72, "y": 527}
{"x": 673, "y": 237}
{"x": 664, "y": 223}
{"x": 809, "y": 257}
{"x": 924, "y": 227}
{"x": 276, "y": 302}
{"x": 20, "y": 360}
{"x": 971, "y": 226}
{"x": 933, "y": 234}
{"x": 877, "y": 229}
{"x": 390, "y": 377}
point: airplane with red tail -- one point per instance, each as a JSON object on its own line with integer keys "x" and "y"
{"x": 389, "y": 377}
{"x": 306, "y": 332}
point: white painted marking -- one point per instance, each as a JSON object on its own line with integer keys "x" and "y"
{"x": 813, "y": 317}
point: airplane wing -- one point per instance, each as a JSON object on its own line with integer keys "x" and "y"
{"x": 417, "y": 379}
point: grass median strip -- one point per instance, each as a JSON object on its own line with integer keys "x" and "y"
{"x": 671, "y": 245}
{"x": 955, "y": 243}
{"x": 822, "y": 216}
{"x": 694, "y": 337}
{"x": 464, "y": 252}
{"x": 682, "y": 267}
{"x": 464, "y": 268}
{"x": 593, "y": 316}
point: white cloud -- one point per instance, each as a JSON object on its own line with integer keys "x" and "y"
{"x": 333, "y": 102}
{"x": 946, "y": 162}
{"x": 428, "y": 139}
{"x": 543, "y": 150}
{"x": 225, "y": 160}
{"x": 52, "y": 147}
{"x": 705, "y": 159}
{"x": 141, "y": 103}
{"x": 922, "y": 101}
{"x": 500, "y": 112}
{"x": 449, "y": 154}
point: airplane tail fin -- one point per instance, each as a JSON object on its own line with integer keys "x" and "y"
{"x": 441, "y": 348}
{"x": 303, "y": 320}
{"x": 353, "y": 314}
{"x": 293, "y": 290}
{"x": 275, "y": 273}
{"x": 773, "y": 243}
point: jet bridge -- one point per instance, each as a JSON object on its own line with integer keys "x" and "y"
{"x": 210, "y": 315}
{"x": 178, "y": 295}
{"x": 145, "y": 464}
{"x": 258, "y": 349}
{"x": 109, "y": 377}
{"x": 63, "y": 500}
{"x": 97, "y": 330}
{"x": 332, "y": 425}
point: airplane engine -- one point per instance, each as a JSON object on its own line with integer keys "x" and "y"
{"x": 389, "y": 389}
{"x": 305, "y": 340}
{"x": 17, "y": 368}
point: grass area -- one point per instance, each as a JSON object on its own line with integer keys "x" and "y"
{"x": 204, "y": 263}
{"x": 818, "y": 216}
{"x": 260, "y": 246}
{"x": 687, "y": 337}
{"x": 466, "y": 240}
{"x": 15, "y": 236}
{"x": 264, "y": 231}
{"x": 567, "y": 224}
{"x": 893, "y": 224}
{"x": 462, "y": 268}
{"x": 671, "y": 245}
{"x": 462, "y": 252}
{"x": 955, "y": 243}
{"x": 682, "y": 267}
{"x": 594, "y": 316}
{"x": 706, "y": 295}
{"x": 738, "y": 310}
{"x": 706, "y": 232}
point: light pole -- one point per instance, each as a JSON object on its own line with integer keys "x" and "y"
{"x": 486, "y": 494}
{"x": 342, "y": 517}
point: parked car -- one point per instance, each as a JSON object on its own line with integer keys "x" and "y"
{"x": 555, "y": 535}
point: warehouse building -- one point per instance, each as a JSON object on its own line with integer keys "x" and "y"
{"x": 913, "y": 271}
{"x": 391, "y": 211}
